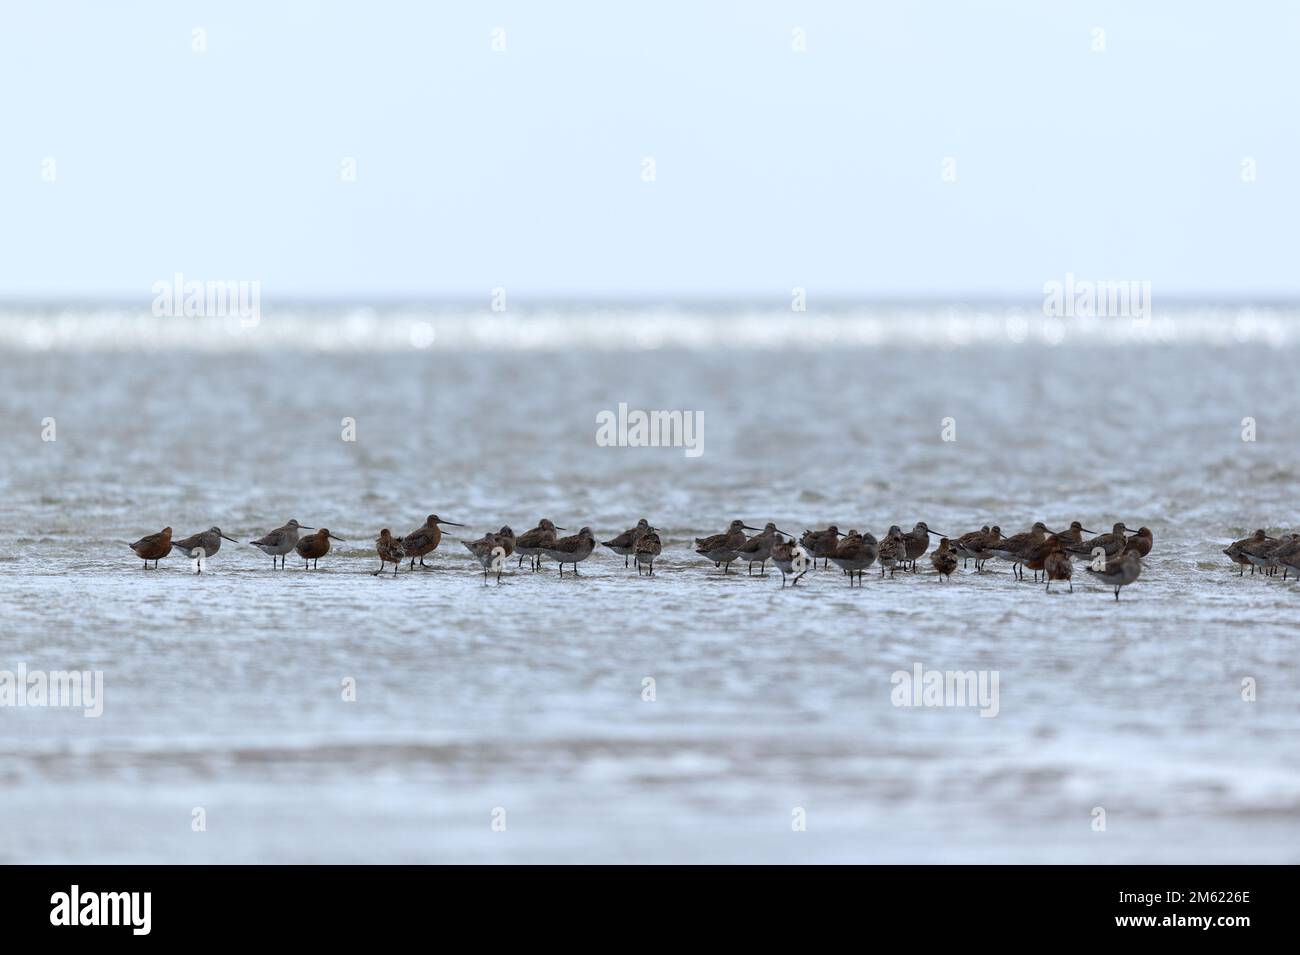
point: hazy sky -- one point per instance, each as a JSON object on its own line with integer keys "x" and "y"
{"x": 774, "y": 168}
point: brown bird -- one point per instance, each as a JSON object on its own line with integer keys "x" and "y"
{"x": 917, "y": 542}
{"x": 425, "y": 539}
{"x": 1141, "y": 541}
{"x": 315, "y": 546}
{"x": 1058, "y": 566}
{"x": 788, "y": 560}
{"x": 723, "y": 548}
{"x": 506, "y": 537}
{"x": 855, "y": 553}
{"x": 390, "y": 551}
{"x": 961, "y": 545}
{"x": 943, "y": 559}
{"x": 625, "y": 543}
{"x": 821, "y": 544}
{"x": 1074, "y": 535}
{"x": 1264, "y": 556}
{"x": 891, "y": 550}
{"x": 1237, "y": 550}
{"x": 1287, "y": 556}
{"x": 1013, "y": 548}
{"x": 1036, "y": 554}
{"x": 979, "y": 546}
{"x": 530, "y": 543}
{"x": 1112, "y": 544}
{"x": 758, "y": 548}
{"x": 572, "y": 549}
{"x": 154, "y": 547}
{"x": 648, "y": 547}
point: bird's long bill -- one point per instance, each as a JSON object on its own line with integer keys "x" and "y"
{"x": 304, "y": 527}
{"x": 1129, "y": 530}
{"x": 231, "y": 539}
{"x": 452, "y": 523}
{"x": 939, "y": 533}
{"x": 561, "y": 528}
{"x": 1084, "y": 530}
{"x": 332, "y": 537}
{"x": 784, "y": 533}
{"x": 748, "y": 528}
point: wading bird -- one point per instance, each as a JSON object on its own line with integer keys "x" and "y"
{"x": 892, "y": 550}
{"x": 648, "y": 547}
{"x": 154, "y": 547}
{"x": 315, "y": 546}
{"x": 943, "y": 559}
{"x": 855, "y": 553}
{"x": 1058, "y": 566}
{"x": 758, "y": 548}
{"x": 821, "y": 544}
{"x": 425, "y": 539}
{"x": 203, "y": 545}
{"x": 280, "y": 541}
{"x": 1119, "y": 571}
{"x": 625, "y": 543}
{"x": 723, "y": 548}
{"x": 530, "y": 543}
{"x": 390, "y": 551}
{"x": 791, "y": 559}
{"x": 572, "y": 550}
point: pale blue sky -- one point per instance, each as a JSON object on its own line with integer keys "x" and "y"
{"x": 522, "y": 169}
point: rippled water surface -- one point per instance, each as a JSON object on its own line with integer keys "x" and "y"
{"x": 223, "y": 690}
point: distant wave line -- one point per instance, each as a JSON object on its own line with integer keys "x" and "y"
{"x": 412, "y": 330}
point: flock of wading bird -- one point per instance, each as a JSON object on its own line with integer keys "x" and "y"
{"x": 1114, "y": 558}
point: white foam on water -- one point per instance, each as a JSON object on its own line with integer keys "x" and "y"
{"x": 624, "y": 328}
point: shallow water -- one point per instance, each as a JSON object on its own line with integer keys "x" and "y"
{"x": 222, "y": 690}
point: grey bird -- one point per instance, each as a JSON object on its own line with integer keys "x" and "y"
{"x": 1119, "y": 571}
{"x": 204, "y": 544}
{"x": 280, "y": 541}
